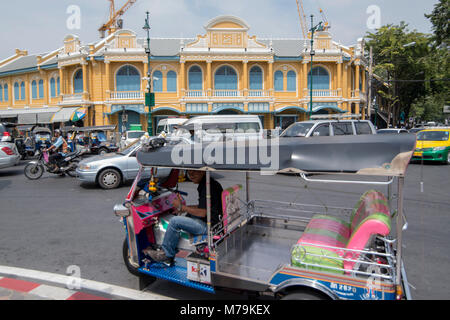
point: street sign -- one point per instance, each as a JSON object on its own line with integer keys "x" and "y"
{"x": 446, "y": 109}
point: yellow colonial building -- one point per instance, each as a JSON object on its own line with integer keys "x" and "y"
{"x": 223, "y": 71}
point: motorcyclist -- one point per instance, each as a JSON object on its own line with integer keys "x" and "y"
{"x": 61, "y": 148}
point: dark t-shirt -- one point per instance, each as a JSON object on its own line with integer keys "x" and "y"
{"x": 216, "y": 200}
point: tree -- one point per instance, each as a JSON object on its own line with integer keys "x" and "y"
{"x": 439, "y": 18}
{"x": 397, "y": 60}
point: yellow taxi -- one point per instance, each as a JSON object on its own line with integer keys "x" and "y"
{"x": 433, "y": 145}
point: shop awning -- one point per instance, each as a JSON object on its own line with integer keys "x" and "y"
{"x": 30, "y": 115}
{"x": 139, "y": 108}
{"x": 69, "y": 114}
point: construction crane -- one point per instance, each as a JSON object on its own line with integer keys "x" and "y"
{"x": 114, "y": 21}
{"x": 302, "y": 16}
{"x": 326, "y": 25}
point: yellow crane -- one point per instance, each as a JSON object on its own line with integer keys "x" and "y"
{"x": 114, "y": 21}
{"x": 302, "y": 16}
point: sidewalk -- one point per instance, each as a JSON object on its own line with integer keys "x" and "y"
{"x": 24, "y": 284}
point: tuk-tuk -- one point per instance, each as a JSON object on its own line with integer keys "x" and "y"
{"x": 41, "y": 137}
{"x": 281, "y": 249}
{"x": 93, "y": 139}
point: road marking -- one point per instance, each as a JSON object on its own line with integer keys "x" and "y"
{"x": 106, "y": 290}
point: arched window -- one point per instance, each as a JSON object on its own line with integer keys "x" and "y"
{"x": 278, "y": 81}
{"x": 225, "y": 79}
{"x": 58, "y": 91}
{"x": 171, "y": 81}
{"x": 33, "y": 90}
{"x": 78, "y": 82}
{"x": 291, "y": 84}
{"x": 320, "y": 78}
{"x": 16, "y": 91}
{"x": 157, "y": 81}
{"x": 1, "y": 92}
{"x": 22, "y": 91}
{"x": 128, "y": 79}
{"x": 6, "y": 95}
{"x": 41, "y": 89}
{"x": 256, "y": 78}
{"x": 195, "y": 78}
{"x": 52, "y": 87}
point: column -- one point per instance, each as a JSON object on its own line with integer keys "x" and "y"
{"x": 245, "y": 77}
{"x": 357, "y": 80}
{"x": 62, "y": 82}
{"x": 85, "y": 81}
{"x": 270, "y": 78}
{"x": 108, "y": 79}
{"x": 208, "y": 78}
{"x": 182, "y": 77}
{"x": 305, "y": 80}
{"x": 345, "y": 82}
{"x": 339, "y": 78}
{"x": 46, "y": 86}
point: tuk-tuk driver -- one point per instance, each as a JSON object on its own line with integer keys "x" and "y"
{"x": 194, "y": 222}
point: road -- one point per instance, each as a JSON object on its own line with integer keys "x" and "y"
{"x": 57, "y": 222}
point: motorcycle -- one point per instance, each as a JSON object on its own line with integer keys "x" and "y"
{"x": 68, "y": 165}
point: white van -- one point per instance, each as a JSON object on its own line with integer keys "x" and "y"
{"x": 219, "y": 127}
{"x": 168, "y": 125}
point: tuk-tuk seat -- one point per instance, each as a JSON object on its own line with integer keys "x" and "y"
{"x": 328, "y": 240}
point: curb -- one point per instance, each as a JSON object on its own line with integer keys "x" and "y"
{"x": 58, "y": 287}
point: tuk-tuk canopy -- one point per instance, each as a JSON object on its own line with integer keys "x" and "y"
{"x": 41, "y": 130}
{"x": 359, "y": 154}
{"x": 88, "y": 129}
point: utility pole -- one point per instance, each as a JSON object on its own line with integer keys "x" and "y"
{"x": 149, "y": 95}
{"x": 312, "y": 53}
{"x": 369, "y": 104}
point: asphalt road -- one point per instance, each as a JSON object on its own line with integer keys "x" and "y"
{"x": 57, "y": 222}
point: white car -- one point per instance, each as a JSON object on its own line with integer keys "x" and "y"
{"x": 130, "y": 137}
{"x": 169, "y": 125}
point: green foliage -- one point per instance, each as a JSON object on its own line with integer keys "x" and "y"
{"x": 415, "y": 66}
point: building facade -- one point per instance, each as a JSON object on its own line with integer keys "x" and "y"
{"x": 224, "y": 71}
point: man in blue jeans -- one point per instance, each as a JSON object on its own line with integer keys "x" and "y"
{"x": 195, "y": 221}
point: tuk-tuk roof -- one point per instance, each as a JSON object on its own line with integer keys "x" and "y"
{"x": 359, "y": 154}
{"x": 42, "y": 129}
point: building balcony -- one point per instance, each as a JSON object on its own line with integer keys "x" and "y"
{"x": 126, "y": 95}
{"x": 217, "y": 94}
{"x": 74, "y": 99}
{"x": 318, "y": 93}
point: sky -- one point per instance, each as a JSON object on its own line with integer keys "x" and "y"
{"x": 40, "y": 26}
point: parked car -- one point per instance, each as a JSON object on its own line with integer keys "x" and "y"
{"x": 433, "y": 145}
{"x": 329, "y": 128}
{"x": 392, "y": 130}
{"x": 169, "y": 125}
{"x": 9, "y": 156}
{"x": 110, "y": 170}
{"x": 130, "y": 137}
{"x": 416, "y": 129}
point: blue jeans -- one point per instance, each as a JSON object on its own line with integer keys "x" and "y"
{"x": 192, "y": 225}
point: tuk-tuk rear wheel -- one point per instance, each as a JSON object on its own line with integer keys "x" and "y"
{"x": 303, "y": 294}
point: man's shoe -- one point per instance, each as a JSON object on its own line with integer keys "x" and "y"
{"x": 158, "y": 256}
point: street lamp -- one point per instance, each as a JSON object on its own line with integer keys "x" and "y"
{"x": 149, "y": 95}
{"x": 312, "y": 53}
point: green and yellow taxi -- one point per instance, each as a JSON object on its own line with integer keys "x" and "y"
{"x": 433, "y": 145}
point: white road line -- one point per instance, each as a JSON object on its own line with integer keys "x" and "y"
{"x": 109, "y": 289}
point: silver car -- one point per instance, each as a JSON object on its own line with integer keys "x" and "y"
{"x": 112, "y": 169}
{"x": 9, "y": 156}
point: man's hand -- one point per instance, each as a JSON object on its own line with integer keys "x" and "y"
{"x": 177, "y": 204}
